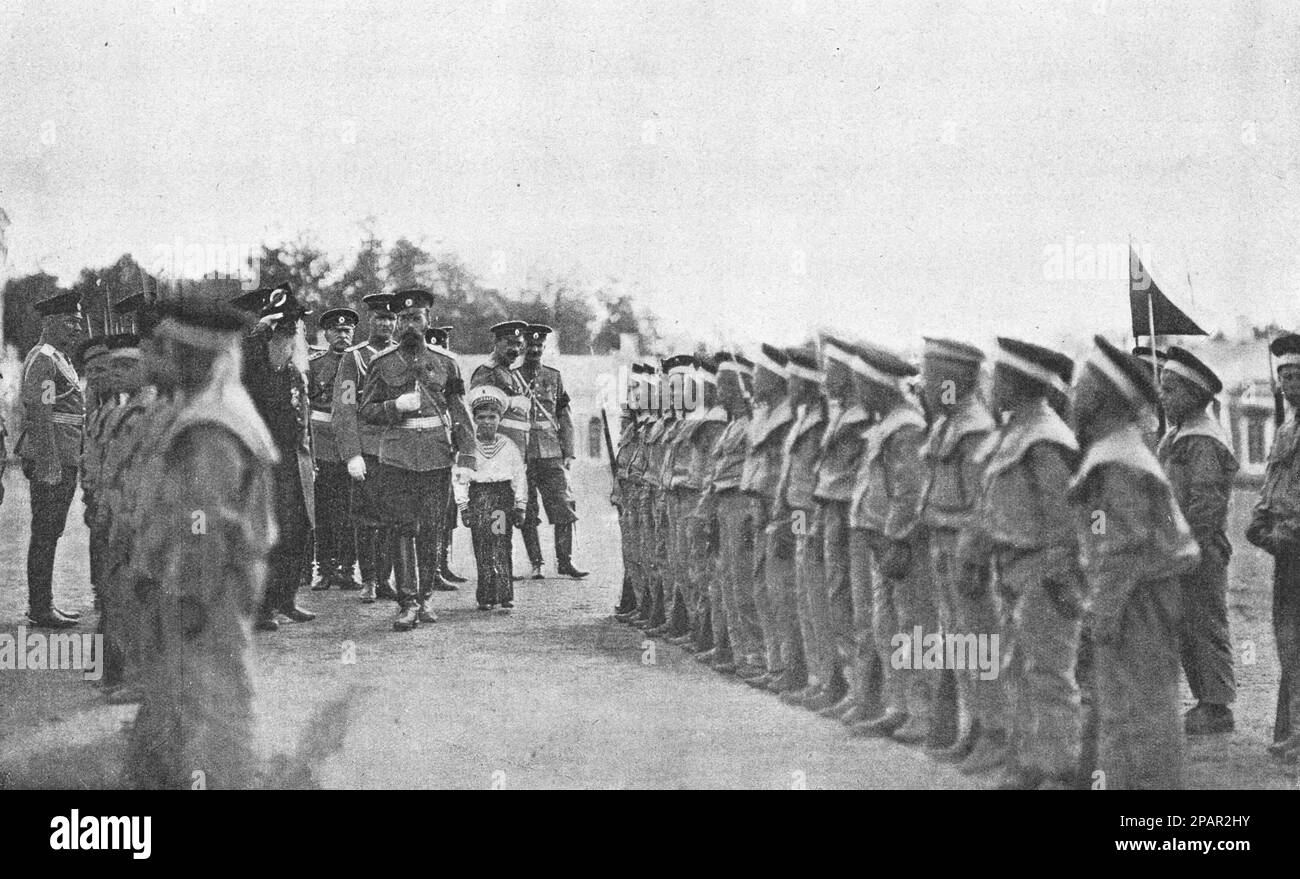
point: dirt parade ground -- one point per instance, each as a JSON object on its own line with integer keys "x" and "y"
{"x": 554, "y": 694}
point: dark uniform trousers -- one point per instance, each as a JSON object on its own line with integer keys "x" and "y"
{"x": 50, "y": 505}
{"x": 413, "y": 507}
{"x": 374, "y": 540}
{"x": 433, "y": 538}
{"x": 548, "y": 478}
{"x": 1207, "y": 653}
{"x": 335, "y": 542}
{"x": 1286, "y": 634}
{"x": 292, "y": 553}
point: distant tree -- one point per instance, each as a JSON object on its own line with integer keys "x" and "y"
{"x": 620, "y": 318}
{"x": 305, "y": 267}
{"x": 410, "y": 265}
{"x": 361, "y": 278}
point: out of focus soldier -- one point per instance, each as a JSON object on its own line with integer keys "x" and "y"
{"x": 654, "y": 536}
{"x": 673, "y": 467}
{"x": 54, "y": 410}
{"x": 805, "y": 609}
{"x": 1275, "y": 528}
{"x": 773, "y": 547}
{"x": 841, "y": 454}
{"x": 275, "y": 373}
{"x": 1197, "y": 457}
{"x": 336, "y": 548}
{"x": 440, "y": 339}
{"x": 416, "y": 395}
{"x": 549, "y": 456}
{"x": 628, "y": 499}
{"x": 724, "y": 502}
{"x": 91, "y": 360}
{"x": 358, "y": 443}
{"x": 1024, "y": 526}
{"x": 889, "y": 550}
{"x": 966, "y": 602}
{"x": 703, "y": 545}
{"x": 1134, "y": 545}
{"x": 209, "y": 493}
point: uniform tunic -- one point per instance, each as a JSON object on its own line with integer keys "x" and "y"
{"x": 1197, "y": 459}
{"x": 516, "y": 421}
{"x": 1134, "y": 544}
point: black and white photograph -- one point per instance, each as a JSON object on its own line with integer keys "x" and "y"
{"x": 895, "y": 395}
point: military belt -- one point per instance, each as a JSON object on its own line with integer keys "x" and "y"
{"x": 515, "y": 424}
{"x": 422, "y": 423}
{"x": 66, "y": 418}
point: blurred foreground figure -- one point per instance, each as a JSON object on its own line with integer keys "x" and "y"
{"x": 208, "y": 497}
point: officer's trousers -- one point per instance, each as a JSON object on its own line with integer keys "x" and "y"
{"x": 1042, "y": 602}
{"x": 1206, "y": 643}
{"x": 286, "y": 560}
{"x": 1140, "y": 742}
{"x": 335, "y": 543}
{"x": 1286, "y": 634}
{"x": 50, "y": 505}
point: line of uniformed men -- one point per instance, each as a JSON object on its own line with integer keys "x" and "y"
{"x": 799, "y": 519}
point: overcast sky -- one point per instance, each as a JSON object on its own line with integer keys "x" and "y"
{"x": 759, "y": 168}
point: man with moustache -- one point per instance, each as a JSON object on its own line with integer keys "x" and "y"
{"x": 336, "y": 550}
{"x": 275, "y": 373}
{"x": 549, "y": 455}
{"x": 50, "y": 447}
{"x": 358, "y": 444}
{"x": 416, "y": 396}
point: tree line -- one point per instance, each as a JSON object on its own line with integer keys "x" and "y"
{"x": 588, "y": 318}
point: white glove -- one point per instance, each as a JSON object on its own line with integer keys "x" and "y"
{"x": 460, "y": 475}
{"x": 520, "y": 402}
{"x": 357, "y": 468}
{"x": 408, "y": 402}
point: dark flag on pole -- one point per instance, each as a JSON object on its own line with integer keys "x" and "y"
{"x": 1147, "y": 305}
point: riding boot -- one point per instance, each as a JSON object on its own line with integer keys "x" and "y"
{"x": 564, "y": 551}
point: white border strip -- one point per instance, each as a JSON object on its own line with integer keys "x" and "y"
{"x": 1033, "y": 370}
{"x": 1172, "y": 365}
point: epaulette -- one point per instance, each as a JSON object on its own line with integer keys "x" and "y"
{"x": 317, "y": 355}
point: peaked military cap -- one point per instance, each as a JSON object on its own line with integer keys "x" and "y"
{"x": 1124, "y": 372}
{"x": 679, "y": 361}
{"x": 251, "y": 301}
{"x": 1049, "y": 368}
{"x": 1143, "y": 352}
{"x": 415, "y": 297}
{"x": 1286, "y": 350}
{"x": 336, "y": 318}
{"x": 537, "y": 332}
{"x": 282, "y": 303}
{"x": 773, "y": 359}
{"x": 1185, "y": 364}
{"x": 203, "y": 323}
{"x": 882, "y": 366}
{"x": 950, "y": 349}
{"x": 803, "y": 364}
{"x": 508, "y": 329}
{"x": 377, "y": 302}
{"x": 60, "y": 303}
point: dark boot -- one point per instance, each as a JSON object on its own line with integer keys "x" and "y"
{"x": 564, "y": 552}
{"x": 408, "y": 586}
{"x": 449, "y": 576}
{"x": 533, "y": 545}
{"x": 384, "y": 543}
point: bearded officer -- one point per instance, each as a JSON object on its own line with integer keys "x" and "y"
{"x": 550, "y": 454}
{"x": 358, "y": 444}
{"x": 275, "y": 373}
{"x": 1197, "y": 457}
{"x": 50, "y": 447}
{"x": 414, "y": 394}
{"x": 335, "y": 543}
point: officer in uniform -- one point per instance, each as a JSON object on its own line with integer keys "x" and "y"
{"x": 841, "y": 454}
{"x": 440, "y": 339}
{"x": 507, "y": 345}
{"x": 804, "y": 619}
{"x": 336, "y": 548}
{"x": 216, "y": 457}
{"x": 358, "y": 444}
{"x": 889, "y": 550}
{"x": 773, "y": 552}
{"x": 966, "y": 605}
{"x": 416, "y": 396}
{"x": 275, "y": 375}
{"x": 1134, "y": 545}
{"x": 50, "y": 447}
{"x": 550, "y": 453}
{"x": 1275, "y": 528}
{"x": 1023, "y": 525}
{"x": 1197, "y": 457}
{"x": 91, "y": 361}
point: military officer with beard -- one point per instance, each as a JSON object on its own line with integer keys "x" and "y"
{"x": 275, "y": 373}
{"x": 358, "y": 444}
{"x": 336, "y": 549}
{"x": 416, "y": 396}
{"x": 550, "y": 454}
